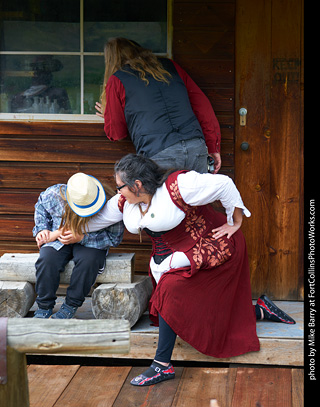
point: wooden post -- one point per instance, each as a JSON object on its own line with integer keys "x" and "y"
{"x": 15, "y": 392}
{"x": 16, "y": 298}
{"x": 122, "y": 301}
{"x": 55, "y": 336}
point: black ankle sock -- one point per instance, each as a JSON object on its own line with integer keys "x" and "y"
{"x": 258, "y": 312}
{"x": 266, "y": 314}
{"x": 151, "y": 371}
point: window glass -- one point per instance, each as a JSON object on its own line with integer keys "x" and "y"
{"x": 139, "y": 20}
{"x": 51, "y": 51}
{"x": 40, "y": 25}
{"x": 40, "y": 84}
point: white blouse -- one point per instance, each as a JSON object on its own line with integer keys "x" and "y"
{"x": 196, "y": 189}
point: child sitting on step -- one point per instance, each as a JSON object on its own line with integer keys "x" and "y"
{"x": 61, "y": 214}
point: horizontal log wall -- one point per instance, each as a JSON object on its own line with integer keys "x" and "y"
{"x": 35, "y": 155}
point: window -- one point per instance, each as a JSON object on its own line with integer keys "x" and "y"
{"x": 52, "y": 50}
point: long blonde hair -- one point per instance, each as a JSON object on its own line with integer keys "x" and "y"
{"x": 73, "y": 222}
{"x": 121, "y": 51}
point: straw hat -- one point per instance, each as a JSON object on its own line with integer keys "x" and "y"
{"x": 85, "y": 194}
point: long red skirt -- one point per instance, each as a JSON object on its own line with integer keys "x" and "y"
{"x": 212, "y": 309}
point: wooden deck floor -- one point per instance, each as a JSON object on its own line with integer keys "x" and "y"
{"x": 106, "y": 386}
{"x": 245, "y": 381}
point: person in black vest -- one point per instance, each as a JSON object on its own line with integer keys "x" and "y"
{"x": 156, "y": 103}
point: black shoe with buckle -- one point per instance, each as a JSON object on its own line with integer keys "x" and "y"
{"x": 157, "y": 373}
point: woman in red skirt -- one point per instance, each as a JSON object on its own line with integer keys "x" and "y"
{"x": 199, "y": 263}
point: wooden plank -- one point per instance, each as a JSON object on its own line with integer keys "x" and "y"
{"x": 272, "y": 188}
{"x": 16, "y": 228}
{"x": 96, "y": 386}
{"x": 75, "y": 151}
{"x": 252, "y": 81}
{"x": 280, "y": 344}
{"x": 20, "y": 228}
{"x": 195, "y": 14}
{"x": 57, "y": 378}
{"x": 29, "y": 335}
{"x": 297, "y": 387}
{"x": 285, "y": 352}
{"x": 159, "y": 395}
{"x": 142, "y": 252}
{"x": 200, "y": 385}
{"x": 54, "y": 128}
{"x": 208, "y": 72}
{"x": 18, "y": 201}
{"x": 262, "y": 387}
{"x": 204, "y": 43}
{"x": 119, "y": 268}
{"x": 63, "y": 149}
{"x": 27, "y": 175}
{"x": 222, "y": 100}
{"x": 286, "y": 231}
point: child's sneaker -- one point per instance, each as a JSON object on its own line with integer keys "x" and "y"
{"x": 43, "y": 313}
{"x": 65, "y": 312}
{"x": 155, "y": 374}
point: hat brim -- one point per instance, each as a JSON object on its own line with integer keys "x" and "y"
{"x": 93, "y": 208}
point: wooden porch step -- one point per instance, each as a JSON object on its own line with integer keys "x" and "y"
{"x": 281, "y": 344}
{"x": 106, "y": 386}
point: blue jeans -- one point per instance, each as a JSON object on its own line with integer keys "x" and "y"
{"x": 51, "y": 263}
{"x": 184, "y": 155}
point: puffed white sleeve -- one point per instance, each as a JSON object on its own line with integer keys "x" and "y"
{"x": 201, "y": 189}
{"x": 109, "y": 215}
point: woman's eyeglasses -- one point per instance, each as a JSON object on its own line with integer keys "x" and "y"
{"x": 122, "y": 186}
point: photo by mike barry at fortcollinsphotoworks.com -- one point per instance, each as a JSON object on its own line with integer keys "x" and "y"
{"x": 310, "y": 312}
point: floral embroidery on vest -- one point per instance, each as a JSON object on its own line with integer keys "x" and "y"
{"x": 175, "y": 196}
{"x": 207, "y": 251}
{"x": 211, "y": 251}
{"x": 194, "y": 224}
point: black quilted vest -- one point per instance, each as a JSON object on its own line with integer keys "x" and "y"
{"x": 158, "y": 115}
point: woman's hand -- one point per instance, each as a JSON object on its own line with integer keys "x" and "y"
{"x": 66, "y": 237}
{"x": 227, "y": 229}
{"x": 98, "y": 108}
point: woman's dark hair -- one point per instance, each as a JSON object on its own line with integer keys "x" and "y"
{"x": 134, "y": 167}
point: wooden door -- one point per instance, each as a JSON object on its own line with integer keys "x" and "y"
{"x": 269, "y": 61}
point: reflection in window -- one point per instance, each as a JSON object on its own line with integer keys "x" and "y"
{"x": 52, "y": 51}
{"x": 39, "y": 84}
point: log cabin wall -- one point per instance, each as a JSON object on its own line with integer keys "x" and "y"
{"x": 35, "y": 155}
